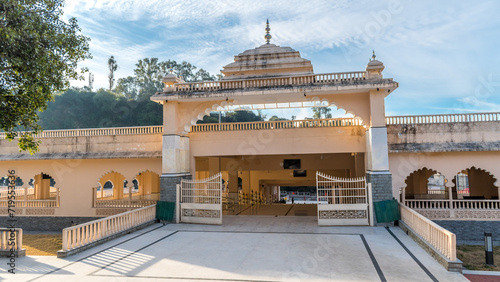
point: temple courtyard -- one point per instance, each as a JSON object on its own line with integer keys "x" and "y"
{"x": 244, "y": 248}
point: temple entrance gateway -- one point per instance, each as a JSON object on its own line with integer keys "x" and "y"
{"x": 278, "y": 76}
{"x": 343, "y": 201}
{"x": 201, "y": 200}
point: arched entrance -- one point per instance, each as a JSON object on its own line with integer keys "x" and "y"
{"x": 475, "y": 183}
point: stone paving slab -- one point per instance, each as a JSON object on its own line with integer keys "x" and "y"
{"x": 244, "y": 248}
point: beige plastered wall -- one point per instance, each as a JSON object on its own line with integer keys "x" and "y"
{"x": 77, "y": 177}
{"x": 446, "y": 163}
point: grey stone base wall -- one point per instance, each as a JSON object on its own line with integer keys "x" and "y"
{"x": 471, "y": 232}
{"x": 168, "y": 187}
{"x": 381, "y": 185}
{"x": 45, "y": 223}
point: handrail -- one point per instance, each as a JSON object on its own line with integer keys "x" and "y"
{"x": 443, "y": 240}
{"x": 282, "y": 124}
{"x": 443, "y": 118}
{"x": 278, "y": 124}
{"x": 315, "y": 79}
{"x": 87, "y": 233}
{"x": 452, "y": 204}
{"x": 123, "y": 203}
{"x": 133, "y": 130}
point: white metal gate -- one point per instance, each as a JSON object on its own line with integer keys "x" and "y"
{"x": 201, "y": 200}
{"x": 343, "y": 201}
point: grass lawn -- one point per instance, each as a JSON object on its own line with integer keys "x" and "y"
{"x": 42, "y": 244}
{"x": 474, "y": 259}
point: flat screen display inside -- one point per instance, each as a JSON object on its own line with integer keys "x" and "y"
{"x": 300, "y": 173}
{"x": 291, "y": 164}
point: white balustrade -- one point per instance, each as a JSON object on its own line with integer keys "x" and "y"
{"x": 25, "y": 198}
{"x": 443, "y": 240}
{"x": 453, "y": 204}
{"x": 281, "y": 124}
{"x": 136, "y": 130}
{"x": 326, "y": 78}
{"x": 5, "y": 235}
{"x": 87, "y": 233}
{"x": 123, "y": 203}
{"x": 445, "y": 118}
{"x": 391, "y": 120}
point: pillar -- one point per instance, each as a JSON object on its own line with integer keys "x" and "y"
{"x": 42, "y": 186}
{"x": 233, "y": 185}
{"x": 175, "y": 153}
{"x": 377, "y": 151}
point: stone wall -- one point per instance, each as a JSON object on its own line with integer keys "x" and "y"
{"x": 471, "y": 232}
{"x": 381, "y": 186}
{"x": 168, "y": 186}
{"x": 45, "y": 223}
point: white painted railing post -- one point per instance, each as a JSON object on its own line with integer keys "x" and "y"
{"x": 19, "y": 239}
{"x": 403, "y": 196}
{"x": 177, "y": 203}
{"x": 370, "y": 204}
{"x": 451, "y": 206}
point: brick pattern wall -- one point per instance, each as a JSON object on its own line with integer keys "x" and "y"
{"x": 471, "y": 232}
{"x": 45, "y": 223}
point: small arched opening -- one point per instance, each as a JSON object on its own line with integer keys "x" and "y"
{"x": 475, "y": 183}
{"x": 425, "y": 183}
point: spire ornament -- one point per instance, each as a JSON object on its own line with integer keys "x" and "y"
{"x": 268, "y": 35}
{"x": 373, "y": 56}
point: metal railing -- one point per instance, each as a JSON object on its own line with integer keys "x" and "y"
{"x": 87, "y": 233}
{"x": 443, "y": 240}
{"x": 204, "y": 191}
{"x": 337, "y": 190}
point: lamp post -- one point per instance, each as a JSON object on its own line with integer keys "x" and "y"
{"x": 488, "y": 248}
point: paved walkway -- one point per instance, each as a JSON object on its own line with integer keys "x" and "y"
{"x": 244, "y": 248}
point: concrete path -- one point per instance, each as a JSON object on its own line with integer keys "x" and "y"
{"x": 244, "y": 248}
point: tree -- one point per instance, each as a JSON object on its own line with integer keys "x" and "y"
{"x": 128, "y": 88}
{"x": 321, "y": 112}
{"x": 276, "y": 118}
{"x": 39, "y": 53}
{"x": 113, "y": 66}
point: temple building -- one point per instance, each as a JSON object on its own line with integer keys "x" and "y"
{"x": 442, "y": 166}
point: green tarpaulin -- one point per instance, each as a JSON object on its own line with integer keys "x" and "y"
{"x": 165, "y": 210}
{"x": 387, "y": 211}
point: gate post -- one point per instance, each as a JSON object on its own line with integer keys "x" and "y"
{"x": 370, "y": 204}
{"x": 178, "y": 204}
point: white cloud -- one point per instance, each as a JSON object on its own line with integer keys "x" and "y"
{"x": 431, "y": 48}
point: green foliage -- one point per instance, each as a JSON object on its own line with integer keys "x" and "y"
{"x": 276, "y": 118}
{"x": 237, "y": 116}
{"x": 80, "y": 108}
{"x": 38, "y": 54}
{"x": 321, "y": 112}
{"x": 148, "y": 75}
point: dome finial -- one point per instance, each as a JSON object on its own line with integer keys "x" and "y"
{"x": 268, "y": 35}
{"x": 373, "y": 56}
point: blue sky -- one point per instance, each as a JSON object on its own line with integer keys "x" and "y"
{"x": 444, "y": 54}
